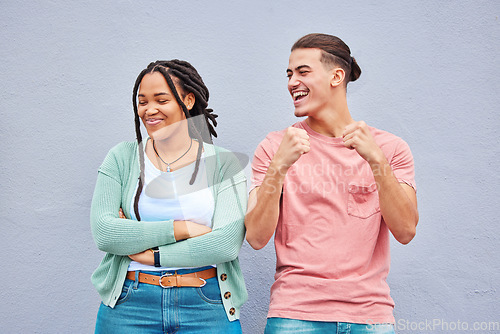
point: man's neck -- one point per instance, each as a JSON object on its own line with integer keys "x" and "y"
{"x": 332, "y": 120}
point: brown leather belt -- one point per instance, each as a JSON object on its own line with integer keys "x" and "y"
{"x": 195, "y": 280}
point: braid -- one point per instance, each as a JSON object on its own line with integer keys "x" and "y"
{"x": 191, "y": 126}
{"x": 194, "y": 76}
{"x": 190, "y": 82}
{"x": 139, "y": 145}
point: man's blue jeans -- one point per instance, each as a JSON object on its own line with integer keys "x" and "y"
{"x": 293, "y": 326}
{"x": 146, "y": 308}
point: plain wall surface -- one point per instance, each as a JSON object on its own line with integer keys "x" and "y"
{"x": 430, "y": 76}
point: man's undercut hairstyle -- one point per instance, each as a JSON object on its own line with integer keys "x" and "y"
{"x": 334, "y": 52}
{"x": 189, "y": 81}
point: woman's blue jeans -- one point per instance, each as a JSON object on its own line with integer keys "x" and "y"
{"x": 146, "y": 308}
{"x": 289, "y": 326}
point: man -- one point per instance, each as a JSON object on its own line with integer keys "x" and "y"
{"x": 331, "y": 189}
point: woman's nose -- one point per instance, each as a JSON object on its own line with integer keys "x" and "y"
{"x": 151, "y": 110}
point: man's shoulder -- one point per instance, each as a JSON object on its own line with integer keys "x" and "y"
{"x": 383, "y": 137}
{"x": 390, "y": 143}
{"x": 276, "y": 136}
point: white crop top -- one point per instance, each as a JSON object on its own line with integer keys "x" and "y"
{"x": 168, "y": 195}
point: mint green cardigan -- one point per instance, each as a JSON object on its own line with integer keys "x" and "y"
{"x": 116, "y": 183}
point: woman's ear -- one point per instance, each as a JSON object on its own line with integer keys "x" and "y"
{"x": 189, "y": 101}
{"x": 338, "y": 76}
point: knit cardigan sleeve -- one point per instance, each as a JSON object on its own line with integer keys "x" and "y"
{"x": 223, "y": 243}
{"x": 112, "y": 234}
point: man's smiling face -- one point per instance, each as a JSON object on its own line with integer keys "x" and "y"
{"x": 308, "y": 81}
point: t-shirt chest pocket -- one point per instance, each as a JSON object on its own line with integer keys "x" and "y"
{"x": 362, "y": 201}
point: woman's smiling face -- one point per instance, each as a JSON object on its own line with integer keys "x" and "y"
{"x": 158, "y": 108}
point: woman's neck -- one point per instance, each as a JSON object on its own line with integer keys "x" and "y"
{"x": 172, "y": 144}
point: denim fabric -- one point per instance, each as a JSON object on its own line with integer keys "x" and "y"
{"x": 289, "y": 326}
{"x": 146, "y": 308}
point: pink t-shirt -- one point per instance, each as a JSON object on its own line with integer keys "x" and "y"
{"x": 332, "y": 245}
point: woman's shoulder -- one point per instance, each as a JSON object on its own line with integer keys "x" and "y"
{"x": 229, "y": 163}
{"x": 125, "y": 147}
{"x": 123, "y": 151}
{"x": 222, "y": 154}
{"x": 120, "y": 154}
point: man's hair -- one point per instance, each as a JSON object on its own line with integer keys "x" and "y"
{"x": 189, "y": 81}
{"x": 334, "y": 52}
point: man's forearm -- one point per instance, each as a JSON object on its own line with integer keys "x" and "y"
{"x": 263, "y": 207}
{"x": 398, "y": 204}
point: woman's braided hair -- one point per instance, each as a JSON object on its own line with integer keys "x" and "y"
{"x": 189, "y": 81}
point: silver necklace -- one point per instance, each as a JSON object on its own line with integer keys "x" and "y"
{"x": 169, "y": 163}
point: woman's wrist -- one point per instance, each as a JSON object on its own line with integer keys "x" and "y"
{"x": 156, "y": 254}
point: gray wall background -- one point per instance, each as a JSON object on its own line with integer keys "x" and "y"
{"x": 430, "y": 75}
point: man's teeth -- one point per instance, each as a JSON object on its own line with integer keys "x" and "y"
{"x": 297, "y": 94}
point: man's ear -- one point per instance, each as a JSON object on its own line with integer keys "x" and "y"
{"x": 189, "y": 101}
{"x": 338, "y": 76}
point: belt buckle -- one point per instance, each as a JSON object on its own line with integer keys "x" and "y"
{"x": 170, "y": 274}
{"x": 165, "y": 275}
{"x": 204, "y": 282}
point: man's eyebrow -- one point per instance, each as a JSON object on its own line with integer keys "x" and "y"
{"x": 298, "y": 68}
{"x": 302, "y": 66}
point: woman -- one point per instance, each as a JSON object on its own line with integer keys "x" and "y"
{"x": 169, "y": 213}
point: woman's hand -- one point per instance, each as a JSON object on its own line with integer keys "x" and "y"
{"x": 195, "y": 230}
{"x": 146, "y": 257}
{"x": 185, "y": 229}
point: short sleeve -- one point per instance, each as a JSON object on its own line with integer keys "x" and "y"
{"x": 261, "y": 161}
{"x": 402, "y": 164}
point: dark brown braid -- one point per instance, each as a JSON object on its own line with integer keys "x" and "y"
{"x": 189, "y": 81}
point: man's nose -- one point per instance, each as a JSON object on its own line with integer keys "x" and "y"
{"x": 292, "y": 81}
